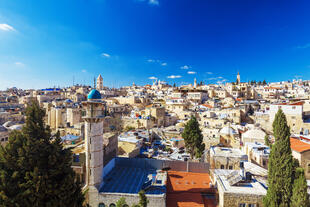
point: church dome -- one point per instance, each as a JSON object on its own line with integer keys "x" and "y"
{"x": 94, "y": 94}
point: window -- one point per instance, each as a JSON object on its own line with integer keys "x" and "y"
{"x": 101, "y": 205}
{"x": 294, "y": 107}
{"x": 112, "y": 205}
{"x": 264, "y": 162}
{"x": 222, "y": 166}
{"x": 251, "y": 205}
{"x": 230, "y": 167}
{"x": 308, "y": 168}
{"x": 242, "y": 205}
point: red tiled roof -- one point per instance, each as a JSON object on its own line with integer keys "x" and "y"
{"x": 298, "y": 145}
{"x": 184, "y": 189}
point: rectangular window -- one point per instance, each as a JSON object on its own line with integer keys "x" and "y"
{"x": 308, "y": 168}
{"x": 230, "y": 167}
{"x": 242, "y": 205}
{"x": 222, "y": 166}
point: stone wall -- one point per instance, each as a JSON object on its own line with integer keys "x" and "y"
{"x": 235, "y": 199}
{"x": 108, "y": 198}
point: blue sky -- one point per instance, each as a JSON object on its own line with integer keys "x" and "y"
{"x": 47, "y": 43}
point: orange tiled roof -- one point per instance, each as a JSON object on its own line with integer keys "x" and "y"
{"x": 299, "y": 103}
{"x": 207, "y": 105}
{"x": 184, "y": 189}
{"x": 298, "y": 145}
{"x": 185, "y": 200}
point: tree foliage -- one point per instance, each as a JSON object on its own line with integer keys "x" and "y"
{"x": 35, "y": 170}
{"x": 300, "y": 196}
{"x": 193, "y": 138}
{"x": 143, "y": 199}
{"x": 280, "y": 167}
{"x": 121, "y": 202}
{"x": 267, "y": 141}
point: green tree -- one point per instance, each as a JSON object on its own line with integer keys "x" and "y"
{"x": 143, "y": 199}
{"x": 121, "y": 202}
{"x": 264, "y": 82}
{"x": 267, "y": 141}
{"x": 300, "y": 196}
{"x": 35, "y": 170}
{"x": 193, "y": 138}
{"x": 280, "y": 167}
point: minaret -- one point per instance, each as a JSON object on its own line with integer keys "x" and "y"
{"x": 238, "y": 78}
{"x": 99, "y": 82}
{"x": 94, "y": 138}
{"x": 195, "y": 83}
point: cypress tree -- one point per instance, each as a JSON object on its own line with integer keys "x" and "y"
{"x": 280, "y": 167}
{"x": 267, "y": 141}
{"x": 300, "y": 196}
{"x": 35, "y": 170}
{"x": 193, "y": 138}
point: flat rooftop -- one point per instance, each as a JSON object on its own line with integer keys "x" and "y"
{"x": 132, "y": 180}
{"x": 254, "y": 187}
{"x": 227, "y": 152}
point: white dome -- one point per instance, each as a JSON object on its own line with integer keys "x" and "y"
{"x": 227, "y": 131}
{"x": 254, "y": 133}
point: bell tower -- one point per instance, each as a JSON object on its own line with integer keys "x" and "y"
{"x": 93, "y": 119}
{"x": 238, "y": 78}
{"x": 99, "y": 82}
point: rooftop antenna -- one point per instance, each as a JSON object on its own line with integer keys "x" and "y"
{"x": 73, "y": 80}
{"x": 94, "y": 82}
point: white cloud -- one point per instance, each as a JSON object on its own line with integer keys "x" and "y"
{"x": 84, "y": 71}
{"x": 164, "y": 64}
{"x": 105, "y": 55}
{"x": 185, "y": 67}
{"x": 174, "y": 76}
{"x": 209, "y": 73}
{"x": 154, "y": 2}
{"x": 220, "y": 77}
{"x": 152, "y": 78}
{"x": 212, "y": 78}
{"x": 6, "y": 27}
{"x": 20, "y": 64}
{"x": 151, "y": 60}
{"x": 304, "y": 46}
{"x": 191, "y": 72}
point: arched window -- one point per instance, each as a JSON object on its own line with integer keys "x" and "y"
{"x": 101, "y": 205}
{"x": 112, "y": 205}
